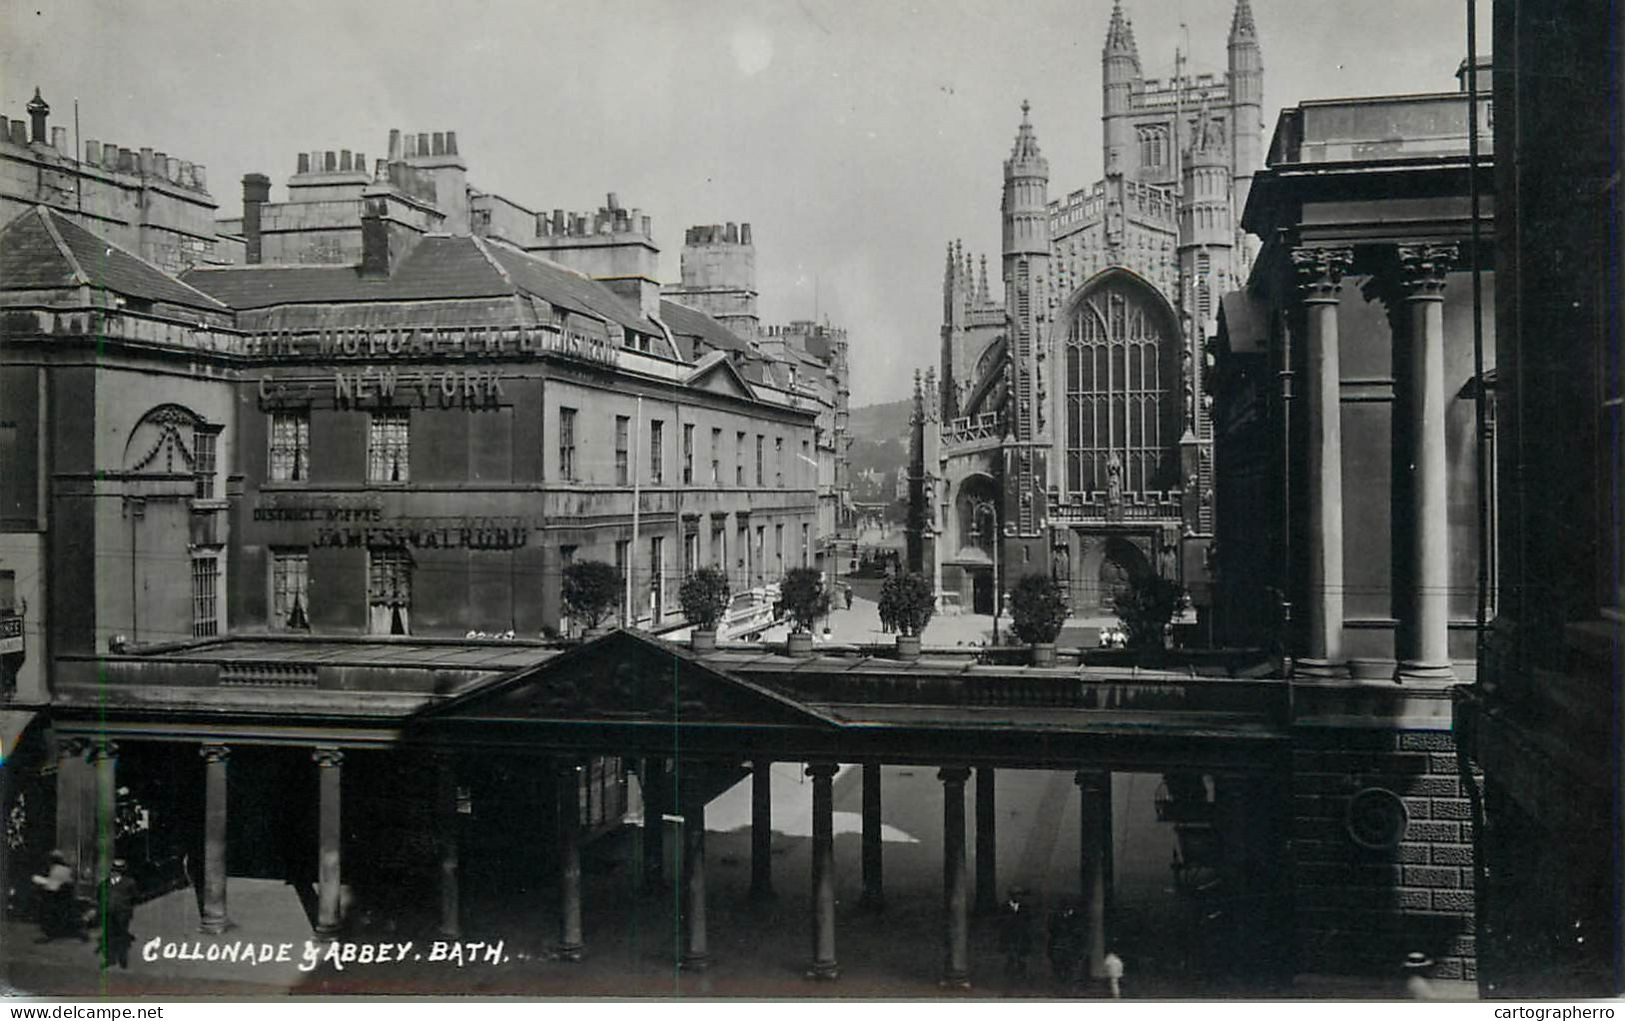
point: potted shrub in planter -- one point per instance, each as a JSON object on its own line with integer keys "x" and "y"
{"x": 704, "y": 598}
{"x": 1038, "y": 612}
{"x": 1145, "y": 610}
{"x": 804, "y": 599}
{"x": 592, "y": 590}
{"x": 907, "y": 603}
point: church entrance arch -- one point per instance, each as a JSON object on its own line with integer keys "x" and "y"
{"x": 1122, "y": 565}
{"x": 1106, "y": 569}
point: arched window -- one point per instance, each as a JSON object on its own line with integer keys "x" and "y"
{"x": 1153, "y": 145}
{"x": 1121, "y": 363}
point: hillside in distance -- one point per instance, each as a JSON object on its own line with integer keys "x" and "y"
{"x": 880, "y": 422}
{"x": 879, "y": 448}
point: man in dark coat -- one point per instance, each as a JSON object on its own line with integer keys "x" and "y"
{"x": 1016, "y": 934}
{"x": 116, "y": 903}
{"x": 58, "y": 915}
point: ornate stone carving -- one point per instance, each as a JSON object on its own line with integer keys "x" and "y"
{"x": 1320, "y": 271}
{"x": 72, "y": 748}
{"x": 327, "y": 758}
{"x": 213, "y": 753}
{"x": 1376, "y": 818}
{"x": 1412, "y": 272}
{"x": 100, "y": 750}
{"x": 1422, "y": 268}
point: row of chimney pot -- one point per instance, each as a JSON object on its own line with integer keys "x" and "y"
{"x": 612, "y": 219}
{"x": 716, "y": 233}
{"x": 146, "y": 163}
{"x": 424, "y": 143}
{"x": 329, "y": 162}
{"x": 108, "y": 157}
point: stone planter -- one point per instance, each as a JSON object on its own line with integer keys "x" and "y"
{"x": 1043, "y": 654}
{"x": 908, "y": 647}
{"x": 799, "y": 644}
{"x": 702, "y": 641}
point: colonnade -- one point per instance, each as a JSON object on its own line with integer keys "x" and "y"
{"x": 689, "y": 799}
{"x": 1410, "y": 281}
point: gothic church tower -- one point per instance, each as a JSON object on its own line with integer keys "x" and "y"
{"x": 1026, "y": 292}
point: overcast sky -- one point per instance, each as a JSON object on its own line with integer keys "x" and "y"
{"x": 856, "y": 136}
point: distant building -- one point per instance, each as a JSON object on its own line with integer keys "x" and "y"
{"x": 718, "y": 269}
{"x": 1062, "y": 420}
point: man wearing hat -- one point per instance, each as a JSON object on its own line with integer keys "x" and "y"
{"x": 117, "y": 905}
{"x": 1016, "y": 934}
{"x": 56, "y": 913}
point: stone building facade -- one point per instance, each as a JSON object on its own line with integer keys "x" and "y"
{"x": 1348, "y": 535}
{"x": 1543, "y": 719}
{"x": 1065, "y": 418}
{"x": 154, "y": 205}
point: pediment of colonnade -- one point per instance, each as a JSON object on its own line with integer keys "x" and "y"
{"x": 625, "y": 678}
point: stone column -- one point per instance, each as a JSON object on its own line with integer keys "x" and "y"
{"x": 761, "y": 829}
{"x": 214, "y": 916}
{"x": 1094, "y": 840}
{"x": 328, "y": 761}
{"x": 1320, "y": 274}
{"x": 987, "y": 835}
{"x": 70, "y": 806}
{"x": 104, "y": 760}
{"x": 567, "y": 782}
{"x": 655, "y": 799}
{"x": 1424, "y": 604}
{"x": 874, "y": 893}
{"x": 695, "y": 954}
{"x": 449, "y": 844}
{"x": 955, "y": 895}
{"x": 823, "y": 870}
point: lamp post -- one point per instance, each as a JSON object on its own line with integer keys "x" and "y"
{"x": 992, "y": 509}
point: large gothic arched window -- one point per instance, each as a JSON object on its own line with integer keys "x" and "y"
{"x": 1122, "y": 410}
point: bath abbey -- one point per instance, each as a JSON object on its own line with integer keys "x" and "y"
{"x": 1066, "y": 423}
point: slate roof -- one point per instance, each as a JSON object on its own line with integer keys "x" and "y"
{"x": 44, "y": 249}
{"x": 439, "y": 267}
{"x": 689, "y": 322}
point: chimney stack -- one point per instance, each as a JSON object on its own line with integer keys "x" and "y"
{"x": 59, "y": 140}
{"x": 256, "y": 192}
{"x": 384, "y": 242}
{"x": 744, "y": 233}
{"x": 93, "y": 152}
{"x": 38, "y": 110}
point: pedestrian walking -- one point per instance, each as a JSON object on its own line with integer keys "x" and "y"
{"x": 1112, "y": 965}
{"x": 117, "y": 905}
{"x": 1067, "y": 939}
{"x": 1016, "y": 934}
{"x": 57, "y": 914}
